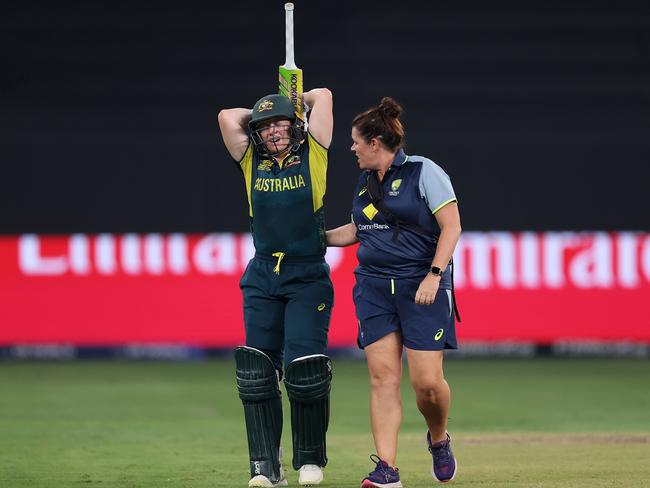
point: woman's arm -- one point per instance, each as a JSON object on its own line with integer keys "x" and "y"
{"x": 232, "y": 123}
{"x": 448, "y": 219}
{"x": 321, "y": 119}
{"x": 346, "y": 235}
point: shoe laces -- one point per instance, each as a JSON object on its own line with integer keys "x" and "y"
{"x": 441, "y": 452}
{"x": 381, "y": 466}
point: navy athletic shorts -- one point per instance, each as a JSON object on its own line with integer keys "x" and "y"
{"x": 386, "y": 305}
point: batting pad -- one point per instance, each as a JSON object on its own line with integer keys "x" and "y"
{"x": 257, "y": 383}
{"x": 308, "y": 381}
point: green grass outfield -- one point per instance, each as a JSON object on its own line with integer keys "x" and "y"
{"x": 516, "y": 423}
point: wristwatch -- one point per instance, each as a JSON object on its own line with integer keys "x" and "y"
{"x": 436, "y": 271}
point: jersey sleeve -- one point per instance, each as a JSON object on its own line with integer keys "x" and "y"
{"x": 246, "y": 165}
{"x": 317, "y": 170}
{"x": 435, "y": 186}
{"x": 247, "y": 159}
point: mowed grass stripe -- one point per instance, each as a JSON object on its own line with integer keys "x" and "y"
{"x": 528, "y": 423}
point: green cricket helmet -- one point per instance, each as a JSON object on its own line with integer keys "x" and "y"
{"x": 272, "y": 107}
{"x": 275, "y": 107}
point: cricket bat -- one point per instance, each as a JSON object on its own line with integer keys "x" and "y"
{"x": 290, "y": 80}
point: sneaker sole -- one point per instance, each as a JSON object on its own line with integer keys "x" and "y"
{"x": 310, "y": 483}
{"x": 266, "y": 483}
{"x": 433, "y": 473}
{"x": 370, "y": 484}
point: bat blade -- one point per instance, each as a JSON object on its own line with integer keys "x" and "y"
{"x": 290, "y": 82}
{"x": 290, "y": 76}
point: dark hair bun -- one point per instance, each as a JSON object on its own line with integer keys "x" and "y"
{"x": 383, "y": 123}
{"x": 390, "y": 108}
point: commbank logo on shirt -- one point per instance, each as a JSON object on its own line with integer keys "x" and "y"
{"x": 373, "y": 227}
{"x": 370, "y": 211}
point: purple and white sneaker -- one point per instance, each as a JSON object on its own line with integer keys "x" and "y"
{"x": 383, "y": 476}
{"x": 444, "y": 462}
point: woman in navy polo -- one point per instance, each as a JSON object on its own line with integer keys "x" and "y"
{"x": 405, "y": 217}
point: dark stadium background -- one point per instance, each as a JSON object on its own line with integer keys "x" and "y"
{"x": 539, "y": 111}
{"x": 123, "y": 220}
{"x": 110, "y": 157}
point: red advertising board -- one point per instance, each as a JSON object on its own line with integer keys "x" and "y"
{"x": 183, "y": 289}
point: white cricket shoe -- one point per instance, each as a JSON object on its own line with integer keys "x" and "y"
{"x": 310, "y": 475}
{"x": 261, "y": 481}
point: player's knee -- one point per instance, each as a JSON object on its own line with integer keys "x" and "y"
{"x": 385, "y": 381}
{"x": 386, "y": 375}
{"x": 257, "y": 378}
{"x": 296, "y": 349}
{"x": 430, "y": 389}
{"x": 308, "y": 379}
{"x": 274, "y": 354}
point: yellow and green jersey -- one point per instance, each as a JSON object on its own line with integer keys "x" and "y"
{"x": 285, "y": 200}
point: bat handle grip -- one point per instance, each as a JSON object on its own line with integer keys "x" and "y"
{"x": 289, "y": 62}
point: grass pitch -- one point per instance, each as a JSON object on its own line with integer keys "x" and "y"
{"x": 515, "y": 423}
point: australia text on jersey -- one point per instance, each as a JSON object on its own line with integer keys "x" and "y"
{"x": 279, "y": 184}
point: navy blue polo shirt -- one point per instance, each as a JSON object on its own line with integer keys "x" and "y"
{"x": 415, "y": 188}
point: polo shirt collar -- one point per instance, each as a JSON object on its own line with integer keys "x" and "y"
{"x": 400, "y": 158}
